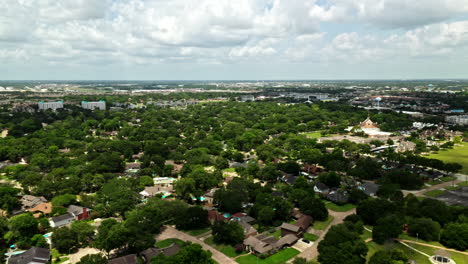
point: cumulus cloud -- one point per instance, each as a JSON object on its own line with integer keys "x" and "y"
{"x": 127, "y": 32}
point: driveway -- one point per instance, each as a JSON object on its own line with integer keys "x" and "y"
{"x": 74, "y": 258}
{"x": 338, "y": 217}
{"x": 171, "y": 232}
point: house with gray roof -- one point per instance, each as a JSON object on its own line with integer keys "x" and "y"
{"x": 34, "y": 255}
{"x": 61, "y": 220}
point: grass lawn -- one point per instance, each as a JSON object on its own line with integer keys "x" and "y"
{"x": 457, "y": 257}
{"x": 168, "y": 242}
{"x": 448, "y": 178}
{"x": 434, "y": 193}
{"x": 339, "y": 208}
{"x": 54, "y": 253}
{"x": 227, "y": 250}
{"x": 366, "y": 235}
{"x": 277, "y": 258}
{"x": 452, "y": 188}
{"x": 458, "y": 154}
{"x": 412, "y": 255}
{"x": 408, "y": 237}
{"x": 230, "y": 170}
{"x": 463, "y": 183}
{"x": 313, "y": 134}
{"x": 62, "y": 259}
{"x": 277, "y": 233}
{"x": 197, "y": 232}
{"x": 322, "y": 225}
{"x": 310, "y": 237}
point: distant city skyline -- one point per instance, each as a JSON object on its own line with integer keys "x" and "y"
{"x": 233, "y": 40}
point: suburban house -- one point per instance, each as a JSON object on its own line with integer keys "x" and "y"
{"x": 209, "y": 196}
{"x": 369, "y": 188}
{"x": 150, "y": 253}
{"x": 263, "y": 244}
{"x": 249, "y": 230}
{"x": 243, "y": 217}
{"x": 304, "y": 222}
{"x": 214, "y": 216}
{"x": 321, "y": 188}
{"x": 128, "y": 259}
{"x": 31, "y": 201}
{"x": 132, "y": 168}
{"x": 41, "y": 209}
{"x": 34, "y": 255}
{"x": 338, "y": 196}
{"x": 151, "y": 191}
{"x": 79, "y": 212}
{"x": 61, "y": 220}
{"x": 299, "y": 228}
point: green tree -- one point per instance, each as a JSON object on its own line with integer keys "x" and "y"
{"x": 331, "y": 179}
{"x": 9, "y": 198}
{"x": 387, "y": 228}
{"x": 190, "y": 254}
{"x": 117, "y": 196}
{"x": 424, "y": 228}
{"x": 22, "y": 227}
{"x": 65, "y": 240}
{"x": 314, "y": 207}
{"x": 192, "y": 218}
{"x": 93, "y": 259}
{"x": 84, "y": 232}
{"x": 455, "y": 235}
{"x": 340, "y": 245}
{"x": 395, "y": 256}
{"x": 230, "y": 233}
{"x": 111, "y": 235}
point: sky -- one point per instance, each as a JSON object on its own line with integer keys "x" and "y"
{"x": 233, "y": 39}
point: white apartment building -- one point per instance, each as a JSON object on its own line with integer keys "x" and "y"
{"x": 101, "y": 105}
{"x": 457, "y": 119}
{"x": 50, "y": 105}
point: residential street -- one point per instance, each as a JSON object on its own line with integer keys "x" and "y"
{"x": 170, "y": 232}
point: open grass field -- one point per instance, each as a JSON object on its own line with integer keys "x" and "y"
{"x": 278, "y": 258}
{"x": 408, "y": 237}
{"x": 458, "y": 154}
{"x": 457, "y": 257}
{"x": 434, "y": 193}
{"x": 413, "y": 255}
{"x": 321, "y": 225}
{"x": 339, "y": 208}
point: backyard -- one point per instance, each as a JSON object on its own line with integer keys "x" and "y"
{"x": 458, "y": 154}
{"x": 322, "y": 225}
{"x": 339, "y": 208}
{"x": 227, "y": 250}
{"x": 278, "y": 258}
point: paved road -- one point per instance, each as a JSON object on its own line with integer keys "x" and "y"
{"x": 170, "y": 232}
{"x": 434, "y": 187}
{"x": 338, "y": 218}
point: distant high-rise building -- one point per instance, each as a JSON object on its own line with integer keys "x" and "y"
{"x": 101, "y": 105}
{"x": 457, "y": 119}
{"x": 50, "y": 105}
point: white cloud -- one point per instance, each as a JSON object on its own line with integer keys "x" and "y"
{"x": 127, "y": 32}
